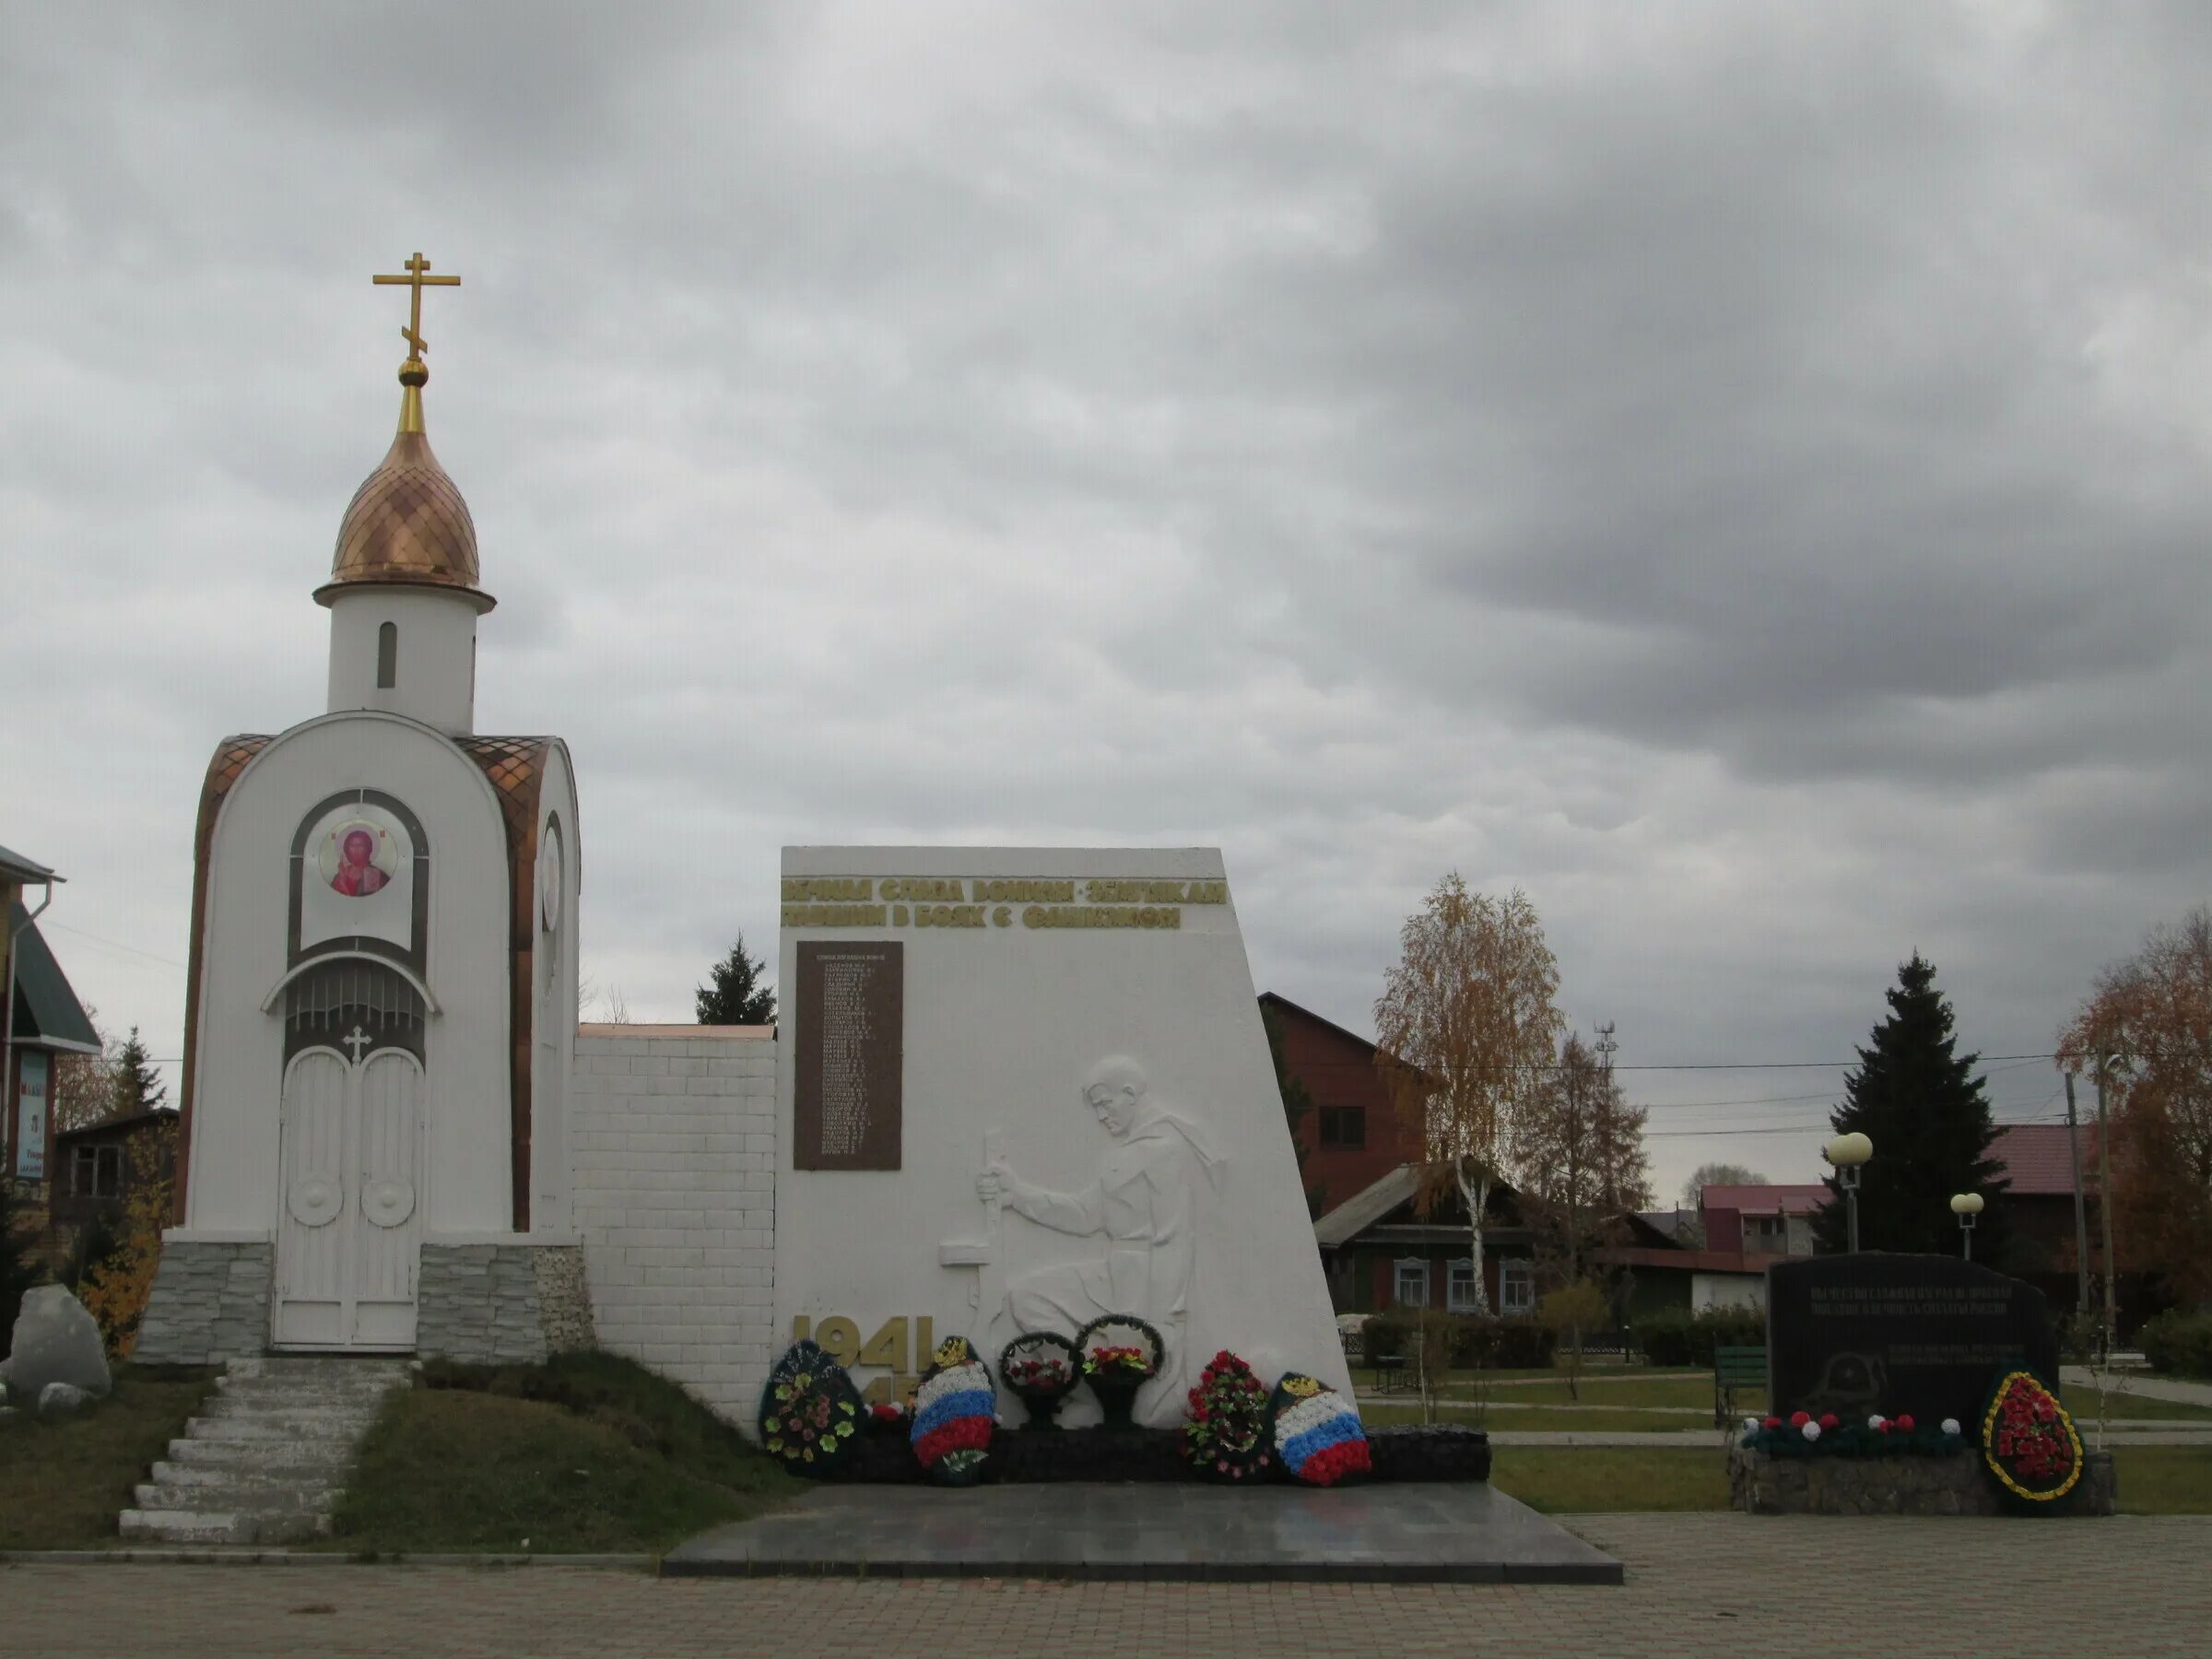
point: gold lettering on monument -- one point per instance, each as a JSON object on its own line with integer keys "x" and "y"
{"x": 1152, "y": 904}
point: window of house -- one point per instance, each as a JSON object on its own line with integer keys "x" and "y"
{"x": 1344, "y": 1126}
{"x": 1412, "y": 1289}
{"x": 1516, "y": 1285}
{"x": 97, "y": 1172}
{"x": 1459, "y": 1288}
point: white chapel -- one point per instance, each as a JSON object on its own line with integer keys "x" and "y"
{"x": 380, "y": 1023}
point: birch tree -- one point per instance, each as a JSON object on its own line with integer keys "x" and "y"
{"x": 1578, "y": 1150}
{"x": 1465, "y": 1028}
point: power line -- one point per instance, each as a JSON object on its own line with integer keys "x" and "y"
{"x": 113, "y": 944}
{"x": 1364, "y": 1066}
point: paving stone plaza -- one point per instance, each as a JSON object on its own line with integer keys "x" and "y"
{"x": 1713, "y": 1586}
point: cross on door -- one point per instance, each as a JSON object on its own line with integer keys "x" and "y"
{"x": 356, "y": 1039}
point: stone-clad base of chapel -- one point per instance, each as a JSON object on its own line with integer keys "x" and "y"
{"x": 495, "y": 1303}
{"x": 480, "y": 1303}
{"x": 210, "y": 1302}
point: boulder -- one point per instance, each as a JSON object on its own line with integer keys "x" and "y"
{"x": 55, "y": 1341}
{"x": 58, "y": 1399}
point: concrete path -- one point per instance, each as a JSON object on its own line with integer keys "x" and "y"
{"x": 2140, "y": 1384}
{"x": 1718, "y": 1586}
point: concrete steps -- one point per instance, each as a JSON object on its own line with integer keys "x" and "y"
{"x": 266, "y": 1459}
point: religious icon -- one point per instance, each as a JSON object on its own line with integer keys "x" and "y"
{"x": 359, "y": 858}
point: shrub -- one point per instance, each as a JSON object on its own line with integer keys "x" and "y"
{"x": 1676, "y": 1337}
{"x": 1473, "y": 1342}
{"x": 1386, "y": 1333}
{"x": 2179, "y": 1342}
{"x": 115, "y": 1290}
{"x": 19, "y": 1269}
{"x": 1482, "y": 1344}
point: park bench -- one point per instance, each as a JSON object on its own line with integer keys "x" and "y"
{"x": 1390, "y": 1373}
{"x": 1734, "y": 1368}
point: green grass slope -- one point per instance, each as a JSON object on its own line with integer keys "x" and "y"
{"x": 586, "y": 1454}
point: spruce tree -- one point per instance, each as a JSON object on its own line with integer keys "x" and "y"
{"x": 1929, "y": 1119}
{"x": 736, "y": 996}
{"x": 138, "y": 1086}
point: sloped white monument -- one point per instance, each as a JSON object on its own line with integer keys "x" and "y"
{"x": 1022, "y": 1088}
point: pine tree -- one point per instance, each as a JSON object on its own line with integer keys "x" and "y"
{"x": 138, "y": 1086}
{"x": 1929, "y": 1119}
{"x": 736, "y": 996}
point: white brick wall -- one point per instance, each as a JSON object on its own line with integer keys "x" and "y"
{"x": 675, "y": 1168}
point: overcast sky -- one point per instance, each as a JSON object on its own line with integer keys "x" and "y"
{"x": 1738, "y": 472}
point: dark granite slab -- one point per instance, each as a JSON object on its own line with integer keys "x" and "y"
{"x": 1419, "y": 1533}
{"x": 1438, "y": 1452}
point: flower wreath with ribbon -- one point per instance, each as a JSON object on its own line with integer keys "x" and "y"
{"x": 2029, "y": 1443}
{"x": 1225, "y": 1421}
{"x": 809, "y": 1410}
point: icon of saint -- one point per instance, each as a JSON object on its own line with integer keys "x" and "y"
{"x": 357, "y": 874}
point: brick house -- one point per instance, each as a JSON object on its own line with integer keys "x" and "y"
{"x": 1377, "y": 1251}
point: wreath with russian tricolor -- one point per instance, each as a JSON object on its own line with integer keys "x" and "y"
{"x": 1317, "y": 1432}
{"x": 955, "y": 1409}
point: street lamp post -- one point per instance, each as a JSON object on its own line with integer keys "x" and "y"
{"x": 1848, "y": 1153}
{"x": 1966, "y": 1206}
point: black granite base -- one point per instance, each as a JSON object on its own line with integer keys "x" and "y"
{"x": 1437, "y": 1453}
{"x": 1468, "y": 1534}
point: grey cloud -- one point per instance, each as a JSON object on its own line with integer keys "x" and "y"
{"x": 1730, "y": 475}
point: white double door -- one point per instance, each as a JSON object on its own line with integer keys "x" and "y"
{"x": 349, "y": 1237}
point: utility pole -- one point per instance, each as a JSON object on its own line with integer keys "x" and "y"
{"x": 2104, "y": 1198}
{"x": 2081, "y": 1214}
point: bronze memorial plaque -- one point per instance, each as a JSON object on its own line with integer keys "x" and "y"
{"x": 852, "y": 1040}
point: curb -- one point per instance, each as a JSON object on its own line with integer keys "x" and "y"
{"x": 246, "y": 1555}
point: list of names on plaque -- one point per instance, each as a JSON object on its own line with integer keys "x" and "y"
{"x": 851, "y": 1009}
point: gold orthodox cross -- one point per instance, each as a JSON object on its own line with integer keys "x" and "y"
{"x": 416, "y": 279}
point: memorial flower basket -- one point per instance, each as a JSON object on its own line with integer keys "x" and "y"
{"x": 1041, "y": 1368}
{"x": 955, "y": 1409}
{"x": 1316, "y": 1433}
{"x": 810, "y": 1412}
{"x": 2028, "y": 1440}
{"x": 1121, "y": 1354}
{"x": 1225, "y": 1422}
{"x": 1804, "y": 1435}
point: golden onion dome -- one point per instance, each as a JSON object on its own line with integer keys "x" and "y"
{"x": 406, "y": 524}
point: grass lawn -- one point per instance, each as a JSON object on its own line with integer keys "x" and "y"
{"x": 2154, "y": 1480}
{"x": 607, "y": 1457}
{"x": 63, "y": 1482}
{"x": 1544, "y": 1419}
{"x": 2165, "y": 1480}
{"x": 1615, "y": 1388}
{"x": 1599, "y": 1479}
{"x": 2082, "y": 1402}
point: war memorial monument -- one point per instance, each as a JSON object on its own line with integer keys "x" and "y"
{"x": 1012, "y": 1175}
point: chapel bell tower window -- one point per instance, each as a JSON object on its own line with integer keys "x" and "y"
{"x": 387, "y": 656}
